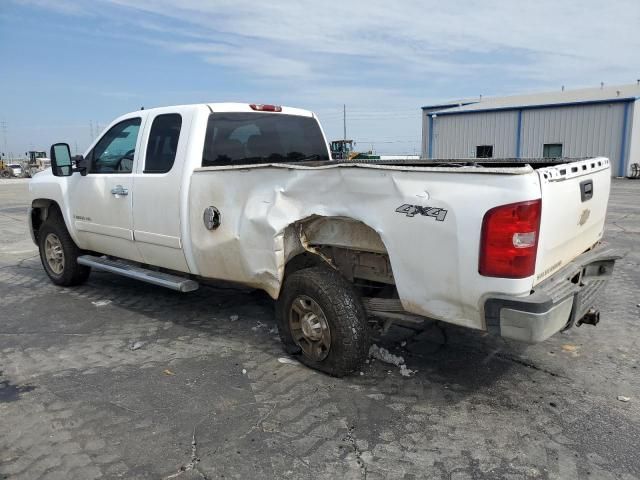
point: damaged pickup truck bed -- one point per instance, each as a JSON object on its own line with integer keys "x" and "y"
{"x": 249, "y": 194}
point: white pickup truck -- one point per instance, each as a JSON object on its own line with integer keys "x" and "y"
{"x": 248, "y": 193}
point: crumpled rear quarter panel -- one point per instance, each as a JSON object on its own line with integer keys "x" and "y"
{"x": 434, "y": 262}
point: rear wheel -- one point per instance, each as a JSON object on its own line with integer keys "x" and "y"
{"x": 321, "y": 318}
{"x": 59, "y": 254}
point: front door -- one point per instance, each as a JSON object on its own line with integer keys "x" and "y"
{"x": 102, "y": 200}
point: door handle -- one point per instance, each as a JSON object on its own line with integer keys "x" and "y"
{"x": 119, "y": 190}
{"x": 586, "y": 190}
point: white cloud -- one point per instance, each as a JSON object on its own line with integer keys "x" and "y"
{"x": 568, "y": 42}
{"x": 422, "y": 36}
{"x": 381, "y": 56}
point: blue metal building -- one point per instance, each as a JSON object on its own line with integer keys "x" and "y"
{"x": 573, "y": 123}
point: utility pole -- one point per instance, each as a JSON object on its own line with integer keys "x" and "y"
{"x": 3, "y": 127}
{"x": 344, "y": 122}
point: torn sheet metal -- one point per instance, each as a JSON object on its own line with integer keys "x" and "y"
{"x": 341, "y": 232}
{"x": 428, "y": 221}
{"x": 306, "y": 244}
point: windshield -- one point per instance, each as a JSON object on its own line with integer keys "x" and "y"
{"x": 250, "y": 138}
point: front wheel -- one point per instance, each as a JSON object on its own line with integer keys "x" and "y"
{"x": 59, "y": 254}
{"x": 321, "y": 318}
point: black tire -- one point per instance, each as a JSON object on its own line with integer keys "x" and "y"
{"x": 347, "y": 320}
{"x": 71, "y": 273}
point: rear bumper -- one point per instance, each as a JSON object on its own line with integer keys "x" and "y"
{"x": 555, "y": 304}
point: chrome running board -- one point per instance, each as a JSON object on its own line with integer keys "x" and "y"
{"x": 119, "y": 267}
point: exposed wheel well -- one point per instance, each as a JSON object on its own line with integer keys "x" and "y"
{"x": 349, "y": 246}
{"x": 41, "y": 210}
{"x": 358, "y": 254}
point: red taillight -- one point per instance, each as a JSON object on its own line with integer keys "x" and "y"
{"x": 509, "y": 240}
{"x": 265, "y": 108}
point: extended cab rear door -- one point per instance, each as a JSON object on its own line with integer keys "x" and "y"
{"x": 158, "y": 184}
{"x": 574, "y": 206}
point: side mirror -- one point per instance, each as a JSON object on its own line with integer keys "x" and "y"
{"x": 82, "y": 164}
{"x": 61, "y": 160}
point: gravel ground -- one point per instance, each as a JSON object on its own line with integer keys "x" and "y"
{"x": 118, "y": 379}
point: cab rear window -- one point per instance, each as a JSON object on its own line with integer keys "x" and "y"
{"x": 254, "y": 138}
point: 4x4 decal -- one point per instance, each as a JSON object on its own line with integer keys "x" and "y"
{"x": 412, "y": 210}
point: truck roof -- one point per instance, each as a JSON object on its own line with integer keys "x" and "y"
{"x": 238, "y": 107}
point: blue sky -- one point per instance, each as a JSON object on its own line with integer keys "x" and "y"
{"x": 69, "y": 66}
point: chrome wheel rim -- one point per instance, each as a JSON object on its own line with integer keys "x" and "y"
{"x": 309, "y": 328}
{"x": 53, "y": 253}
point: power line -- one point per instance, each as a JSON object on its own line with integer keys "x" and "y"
{"x": 371, "y": 117}
{"x": 326, "y": 113}
{"x": 371, "y": 109}
{"x": 389, "y": 141}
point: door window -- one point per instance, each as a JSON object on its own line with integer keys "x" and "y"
{"x": 484, "y": 151}
{"x": 552, "y": 150}
{"x": 115, "y": 150}
{"x": 163, "y": 143}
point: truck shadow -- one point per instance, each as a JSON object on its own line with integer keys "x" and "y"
{"x": 450, "y": 369}
{"x": 461, "y": 360}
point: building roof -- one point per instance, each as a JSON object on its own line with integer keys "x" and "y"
{"x": 450, "y": 104}
{"x": 615, "y": 93}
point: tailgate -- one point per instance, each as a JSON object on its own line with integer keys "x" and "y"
{"x": 574, "y": 206}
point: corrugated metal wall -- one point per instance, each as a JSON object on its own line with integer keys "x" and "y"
{"x": 426, "y": 113}
{"x": 587, "y": 130}
{"x": 634, "y": 135}
{"x": 583, "y": 130}
{"x": 456, "y": 136}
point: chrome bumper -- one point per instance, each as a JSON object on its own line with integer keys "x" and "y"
{"x": 555, "y": 304}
